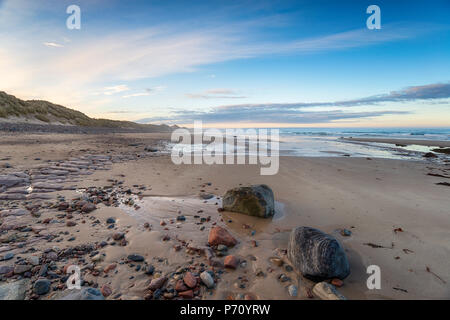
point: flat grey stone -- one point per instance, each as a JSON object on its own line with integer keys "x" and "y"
{"x": 14, "y": 290}
{"x": 12, "y": 180}
{"x": 12, "y": 196}
{"x": 13, "y": 212}
{"x": 82, "y": 294}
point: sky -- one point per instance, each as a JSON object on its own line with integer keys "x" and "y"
{"x": 233, "y": 63}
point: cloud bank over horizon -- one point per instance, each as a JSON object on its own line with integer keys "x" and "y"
{"x": 300, "y": 112}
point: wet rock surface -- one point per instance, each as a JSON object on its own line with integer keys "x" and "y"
{"x": 316, "y": 255}
{"x": 256, "y": 200}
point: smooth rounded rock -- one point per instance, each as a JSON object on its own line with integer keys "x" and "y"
{"x": 7, "y": 256}
{"x": 316, "y": 255}
{"x": 22, "y": 268}
{"x": 106, "y": 290}
{"x": 207, "y": 279}
{"x": 88, "y": 207}
{"x": 136, "y": 258}
{"x": 42, "y": 286}
{"x": 256, "y": 200}
{"x": 157, "y": 283}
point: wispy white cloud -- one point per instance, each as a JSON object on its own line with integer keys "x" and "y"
{"x": 147, "y": 92}
{"x": 156, "y": 89}
{"x": 115, "y": 89}
{"x": 216, "y": 94}
{"x": 140, "y": 94}
{"x": 53, "y": 44}
{"x": 220, "y": 91}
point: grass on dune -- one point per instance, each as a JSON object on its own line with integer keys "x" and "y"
{"x": 48, "y": 112}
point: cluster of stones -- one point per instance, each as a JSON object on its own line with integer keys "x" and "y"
{"x": 315, "y": 255}
{"x": 23, "y": 236}
{"x": 22, "y": 194}
{"x": 41, "y": 273}
{"x": 312, "y": 253}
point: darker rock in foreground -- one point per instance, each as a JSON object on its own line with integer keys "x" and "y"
{"x": 318, "y": 256}
{"x": 430, "y": 155}
{"x": 136, "y": 258}
{"x": 254, "y": 201}
{"x": 42, "y": 286}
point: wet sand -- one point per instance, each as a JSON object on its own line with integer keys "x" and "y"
{"x": 372, "y": 198}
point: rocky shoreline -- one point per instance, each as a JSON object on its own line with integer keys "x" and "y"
{"x": 35, "y": 220}
{"x": 139, "y": 227}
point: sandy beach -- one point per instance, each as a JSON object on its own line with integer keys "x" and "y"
{"x": 149, "y": 208}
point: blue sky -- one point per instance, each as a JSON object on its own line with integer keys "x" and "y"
{"x": 233, "y": 63}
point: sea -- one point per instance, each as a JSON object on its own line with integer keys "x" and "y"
{"x": 334, "y": 142}
{"x": 320, "y": 142}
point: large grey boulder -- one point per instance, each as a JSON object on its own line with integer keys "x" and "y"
{"x": 256, "y": 200}
{"x": 316, "y": 255}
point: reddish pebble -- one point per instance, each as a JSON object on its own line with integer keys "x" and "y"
{"x": 110, "y": 267}
{"x": 190, "y": 280}
{"x": 219, "y": 235}
{"x": 180, "y": 286}
{"x": 106, "y": 290}
{"x": 189, "y": 294}
{"x": 337, "y": 282}
{"x": 231, "y": 262}
{"x": 66, "y": 267}
{"x": 88, "y": 207}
